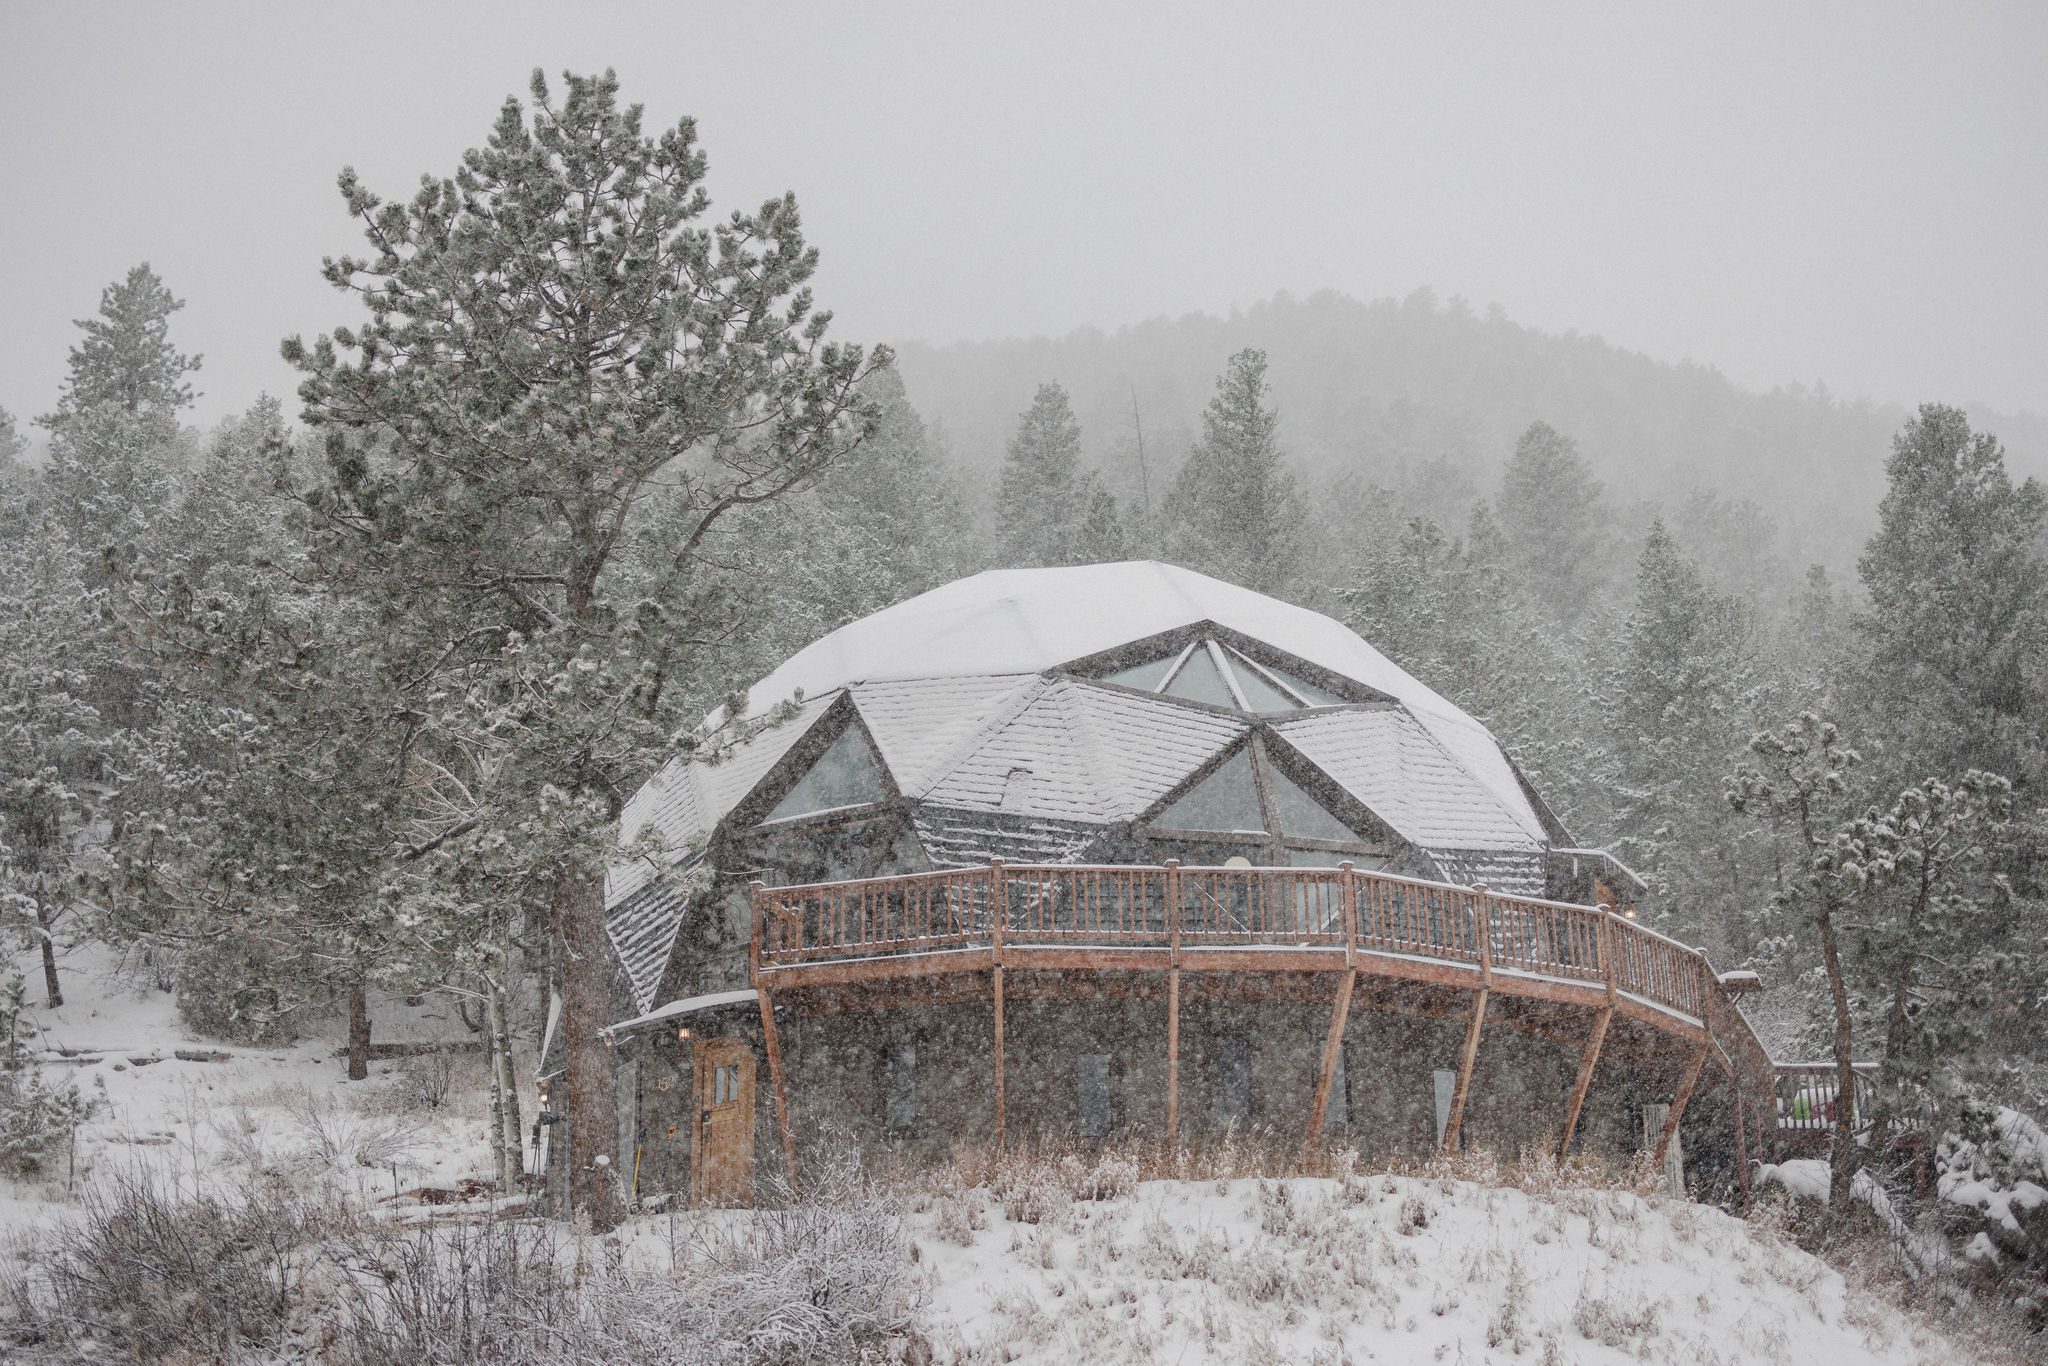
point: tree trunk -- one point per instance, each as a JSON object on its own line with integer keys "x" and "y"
{"x": 587, "y": 1071}
{"x": 1842, "y": 1160}
{"x": 509, "y": 1119}
{"x": 358, "y": 1031}
{"x": 46, "y": 923}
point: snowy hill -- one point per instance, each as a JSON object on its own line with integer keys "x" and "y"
{"x": 1391, "y": 1269}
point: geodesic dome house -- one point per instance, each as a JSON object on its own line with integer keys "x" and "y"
{"x": 1016, "y": 834}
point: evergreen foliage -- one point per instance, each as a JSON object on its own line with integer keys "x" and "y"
{"x": 1048, "y": 510}
{"x": 1551, "y": 518}
{"x": 1233, "y": 509}
{"x": 126, "y": 360}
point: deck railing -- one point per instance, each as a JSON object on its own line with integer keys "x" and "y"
{"x": 1066, "y": 905}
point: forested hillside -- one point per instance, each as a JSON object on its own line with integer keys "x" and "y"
{"x": 1426, "y": 397}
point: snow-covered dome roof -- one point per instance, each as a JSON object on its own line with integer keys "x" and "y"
{"x": 1024, "y": 621}
{"x": 1037, "y": 713}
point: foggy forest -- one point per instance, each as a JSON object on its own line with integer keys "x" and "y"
{"x": 427, "y": 807}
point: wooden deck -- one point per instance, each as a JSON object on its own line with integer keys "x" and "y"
{"x": 1159, "y": 918}
{"x": 1170, "y": 920}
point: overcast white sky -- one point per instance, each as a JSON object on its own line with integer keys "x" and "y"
{"x": 1855, "y": 193}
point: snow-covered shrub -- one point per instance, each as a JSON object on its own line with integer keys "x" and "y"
{"x": 36, "y": 1119}
{"x": 149, "y": 1272}
{"x": 1992, "y": 1189}
{"x": 234, "y": 988}
{"x": 339, "y": 1136}
{"x": 425, "y": 1079}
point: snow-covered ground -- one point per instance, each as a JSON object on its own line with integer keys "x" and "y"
{"x": 227, "y": 1113}
{"x": 1390, "y": 1269}
{"x": 1025, "y": 1267}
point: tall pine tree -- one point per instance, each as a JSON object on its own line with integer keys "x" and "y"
{"x": 553, "y": 340}
{"x": 1049, "y": 511}
{"x": 1233, "y": 508}
{"x": 1549, "y": 509}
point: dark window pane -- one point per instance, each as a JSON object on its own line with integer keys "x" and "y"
{"x": 1227, "y": 799}
{"x": 1310, "y": 693}
{"x": 845, "y": 775}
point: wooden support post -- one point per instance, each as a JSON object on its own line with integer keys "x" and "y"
{"x": 1000, "y": 1097}
{"x": 1741, "y": 1145}
{"x": 1348, "y": 882}
{"x": 1465, "y": 1061}
{"x": 999, "y": 902}
{"x": 1685, "y": 1089}
{"x": 1333, "y": 1048}
{"x": 773, "y": 1041}
{"x": 1587, "y": 1062}
{"x": 1173, "y": 1060}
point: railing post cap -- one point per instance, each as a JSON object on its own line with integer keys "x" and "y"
{"x": 1173, "y": 863}
{"x": 1479, "y": 887}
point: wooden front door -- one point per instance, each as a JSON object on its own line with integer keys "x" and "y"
{"x": 722, "y": 1172}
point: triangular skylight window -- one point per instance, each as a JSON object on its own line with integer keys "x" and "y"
{"x": 845, "y": 775}
{"x": 1309, "y": 692}
{"x": 1199, "y": 680}
{"x": 1148, "y": 675}
{"x": 1227, "y": 799}
{"x": 1259, "y": 692}
{"x": 1302, "y": 816}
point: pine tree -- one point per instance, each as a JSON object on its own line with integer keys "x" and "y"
{"x": 1048, "y": 510}
{"x": 1550, "y": 513}
{"x": 126, "y": 360}
{"x": 1956, "y": 578}
{"x": 1233, "y": 508}
{"x": 1799, "y": 778}
{"x": 551, "y": 340}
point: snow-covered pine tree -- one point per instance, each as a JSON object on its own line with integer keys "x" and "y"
{"x": 1925, "y": 956}
{"x": 1551, "y": 517}
{"x": 1234, "y": 510}
{"x": 1799, "y": 777}
{"x": 553, "y": 339}
{"x": 1684, "y": 686}
{"x": 126, "y": 360}
{"x": 1957, "y": 631}
{"x": 1049, "y": 511}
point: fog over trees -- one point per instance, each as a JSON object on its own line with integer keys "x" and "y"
{"x": 345, "y": 693}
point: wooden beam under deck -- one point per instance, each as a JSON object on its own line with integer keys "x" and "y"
{"x": 1466, "y": 1059}
{"x": 1678, "y": 1103}
{"x": 1333, "y": 1047}
{"x": 1587, "y": 1063}
{"x": 1173, "y": 1059}
{"x": 772, "y": 1041}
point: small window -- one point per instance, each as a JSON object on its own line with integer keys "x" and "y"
{"x": 845, "y": 775}
{"x": 1227, "y": 799}
{"x": 901, "y": 1094}
{"x": 1234, "y": 1078}
{"x": 1091, "y": 1084}
{"x": 725, "y": 1084}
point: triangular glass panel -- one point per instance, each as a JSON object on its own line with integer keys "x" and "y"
{"x": 1227, "y": 799}
{"x": 845, "y": 775}
{"x": 1310, "y": 693}
{"x": 1302, "y": 816}
{"x": 1148, "y": 675}
{"x": 1262, "y": 695}
{"x": 1199, "y": 680}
